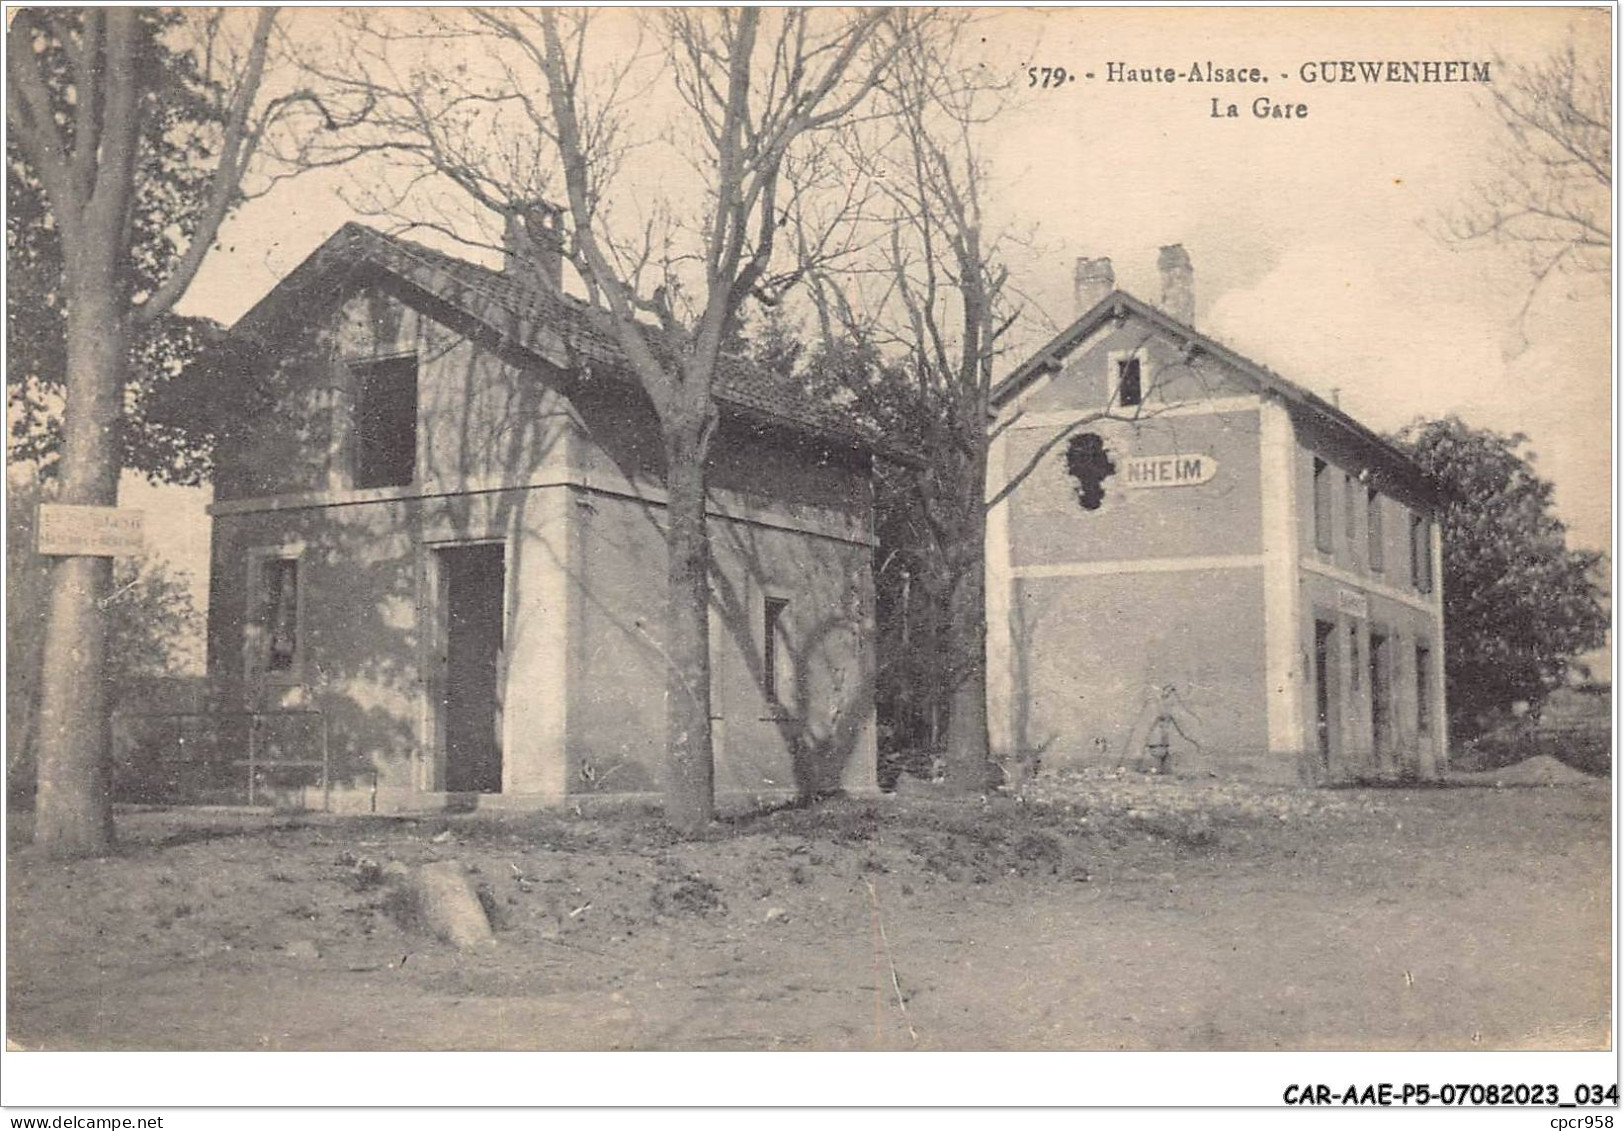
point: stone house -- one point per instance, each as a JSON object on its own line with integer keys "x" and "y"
{"x": 1206, "y": 567}
{"x": 437, "y": 525}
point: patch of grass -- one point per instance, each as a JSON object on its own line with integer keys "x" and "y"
{"x": 1190, "y": 831}
{"x": 400, "y": 905}
{"x": 679, "y": 894}
{"x": 840, "y": 820}
{"x": 1040, "y": 849}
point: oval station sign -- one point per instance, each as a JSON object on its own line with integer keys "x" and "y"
{"x": 1179, "y": 469}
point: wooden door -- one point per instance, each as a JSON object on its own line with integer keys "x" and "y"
{"x": 472, "y": 588}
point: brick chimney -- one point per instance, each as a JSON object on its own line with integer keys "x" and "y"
{"x": 1178, "y": 283}
{"x": 533, "y": 243}
{"x": 1092, "y": 280}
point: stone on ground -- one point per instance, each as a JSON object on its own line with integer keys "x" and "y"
{"x": 448, "y": 905}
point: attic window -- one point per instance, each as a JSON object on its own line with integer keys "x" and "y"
{"x": 385, "y": 422}
{"x": 1129, "y": 382}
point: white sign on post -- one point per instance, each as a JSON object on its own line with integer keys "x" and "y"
{"x": 97, "y": 532}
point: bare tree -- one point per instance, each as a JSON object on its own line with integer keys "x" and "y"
{"x": 1552, "y": 195}
{"x": 936, "y": 304}
{"x": 935, "y": 297}
{"x": 79, "y": 84}
{"x": 541, "y": 118}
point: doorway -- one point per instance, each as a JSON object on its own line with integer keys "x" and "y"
{"x": 471, "y": 591}
{"x": 1381, "y": 699}
{"x": 1325, "y": 690}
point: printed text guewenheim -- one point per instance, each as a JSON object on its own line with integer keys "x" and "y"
{"x": 1321, "y": 72}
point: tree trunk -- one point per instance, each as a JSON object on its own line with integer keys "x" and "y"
{"x": 73, "y": 813}
{"x": 690, "y": 802}
{"x": 968, "y": 769}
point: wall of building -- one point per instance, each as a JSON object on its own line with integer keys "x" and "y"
{"x": 750, "y": 465}
{"x": 1172, "y": 375}
{"x": 481, "y": 422}
{"x": 367, "y": 648}
{"x": 1050, "y": 526}
{"x": 1140, "y": 617}
{"x": 367, "y": 653}
{"x": 1364, "y": 600}
{"x": 1100, "y": 661}
{"x": 791, "y": 520}
{"x": 818, "y": 734}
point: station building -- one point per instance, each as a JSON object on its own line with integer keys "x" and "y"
{"x": 437, "y": 527}
{"x": 1197, "y": 565}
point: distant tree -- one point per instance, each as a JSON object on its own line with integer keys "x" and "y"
{"x": 1551, "y": 195}
{"x": 169, "y": 201}
{"x": 932, "y": 299}
{"x": 1519, "y": 604}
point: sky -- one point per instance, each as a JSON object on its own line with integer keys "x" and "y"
{"x": 1317, "y": 241}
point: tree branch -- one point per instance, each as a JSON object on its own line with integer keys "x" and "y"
{"x": 236, "y": 151}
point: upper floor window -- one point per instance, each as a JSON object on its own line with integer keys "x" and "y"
{"x": 1373, "y": 530}
{"x": 385, "y": 452}
{"x": 1324, "y": 523}
{"x": 1350, "y": 512}
{"x": 1421, "y": 552}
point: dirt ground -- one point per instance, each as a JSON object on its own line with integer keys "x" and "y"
{"x": 1104, "y": 912}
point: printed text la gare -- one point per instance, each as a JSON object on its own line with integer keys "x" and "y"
{"x": 1262, "y": 107}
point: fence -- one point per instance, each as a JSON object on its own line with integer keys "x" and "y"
{"x": 277, "y": 758}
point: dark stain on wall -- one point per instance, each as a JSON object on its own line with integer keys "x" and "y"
{"x": 1090, "y": 466}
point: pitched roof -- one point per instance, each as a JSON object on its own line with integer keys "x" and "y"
{"x": 557, "y": 328}
{"x": 1119, "y": 303}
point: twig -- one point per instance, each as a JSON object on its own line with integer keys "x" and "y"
{"x": 584, "y": 950}
{"x": 117, "y": 593}
{"x": 885, "y": 944}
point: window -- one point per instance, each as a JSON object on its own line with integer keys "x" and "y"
{"x": 277, "y": 613}
{"x": 1130, "y": 382}
{"x": 1423, "y": 687}
{"x": 1381, "y": 692}
{"x": 1324, "y": 531}
{"x": 1373, "y": 531}
{"x": 1421, "y": 552}
{"x": 772, "y": 616}
{"x": 385, "y": 422}
{"x": 1353, "y": 655}
{"x": 1350, "y": 510}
